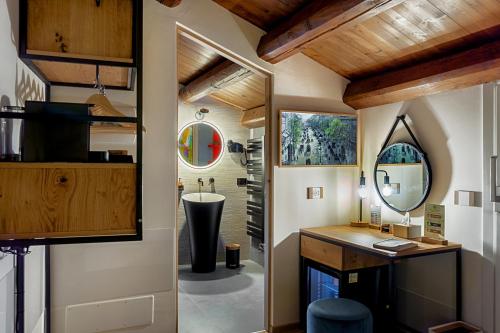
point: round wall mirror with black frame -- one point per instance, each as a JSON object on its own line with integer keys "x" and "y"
{"x": 403, "y": 177}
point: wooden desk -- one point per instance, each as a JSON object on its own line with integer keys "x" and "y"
{"x": 345, "y": 248}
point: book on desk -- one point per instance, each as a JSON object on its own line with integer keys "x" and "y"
{"x": 395, "y": 245}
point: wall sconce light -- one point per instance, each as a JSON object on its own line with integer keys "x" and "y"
{"x": 363, "y": 193}
{"x": 387, "y": 189}
{"x": 362, "y": 190}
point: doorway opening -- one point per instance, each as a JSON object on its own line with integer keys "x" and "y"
{"x": 224, "y": 190}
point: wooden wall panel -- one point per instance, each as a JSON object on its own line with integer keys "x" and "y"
{"x": 66, "y": 199}
{"x": 107, "y": 35}
{"x": 68, "y": 72}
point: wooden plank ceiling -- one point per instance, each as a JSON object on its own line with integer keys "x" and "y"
{"x": 365, "y": 40}
{"x": 264, "y": 14}
{"x": 195, "y": 61}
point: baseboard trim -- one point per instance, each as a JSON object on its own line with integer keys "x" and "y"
{"x": 288, "y": 328}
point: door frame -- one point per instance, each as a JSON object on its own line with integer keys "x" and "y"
{"x": 268, "y": 173}
{"x": 491, "y": 232}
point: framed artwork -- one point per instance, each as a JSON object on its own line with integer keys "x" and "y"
{"x": 310, "y": 138}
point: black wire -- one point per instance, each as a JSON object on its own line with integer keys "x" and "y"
{"x": 244, "y": 157}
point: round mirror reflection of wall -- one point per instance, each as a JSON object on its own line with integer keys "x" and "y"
{"x": 402, "y": 177}
{"x": 200, "y": 145}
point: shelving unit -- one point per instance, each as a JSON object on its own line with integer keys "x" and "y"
{"x": 65, "y": 43}
{"x": 65, "y": 203}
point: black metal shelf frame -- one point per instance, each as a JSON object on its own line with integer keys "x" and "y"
{"x": 135, "y": 83}
{"x": 137, "y": 64}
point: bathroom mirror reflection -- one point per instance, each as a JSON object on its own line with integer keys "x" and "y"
{"x": 200, "y": 145}
{"x": 402, "y": 177}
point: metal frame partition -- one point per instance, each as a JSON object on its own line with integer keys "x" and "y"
{"x": 20, "y": 247}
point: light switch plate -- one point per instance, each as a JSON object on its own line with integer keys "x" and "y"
{"x": 315, "y": 192}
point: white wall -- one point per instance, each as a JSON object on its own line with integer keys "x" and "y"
{"x": 17, "y": 84}
{"x": 302, "y": 84}
{"x": 449, "y": 128}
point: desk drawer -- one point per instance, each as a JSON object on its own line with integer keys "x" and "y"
{"x": 325, "y": 253}
{"x": 337, "y": 257}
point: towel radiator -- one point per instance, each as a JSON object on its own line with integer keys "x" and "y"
{"x": 255, "y": 188}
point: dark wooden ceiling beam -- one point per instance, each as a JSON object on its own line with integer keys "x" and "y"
{"x": 477, "y": 65}
{"x": 219, "y": 77}
{"x": 315, "y": 20}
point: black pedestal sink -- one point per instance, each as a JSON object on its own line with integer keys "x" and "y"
{"x": 203, "y": 214}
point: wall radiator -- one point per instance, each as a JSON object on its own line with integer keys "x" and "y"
{"x": 255, "y": 188}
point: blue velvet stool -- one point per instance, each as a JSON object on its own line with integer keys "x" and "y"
{"x": 331, "y": 315}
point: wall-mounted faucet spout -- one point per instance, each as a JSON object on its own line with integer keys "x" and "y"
{"x": 200, "y": 184}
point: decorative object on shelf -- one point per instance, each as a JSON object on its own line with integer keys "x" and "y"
{"x": 98, "y": 156}
{"x": 402, "y": 173}
{"x": 11, "y": 136}
{"x": 434, "y": 221}
{"x": 363, "y": 193}
{"x": 200, "y": 145}
{"x": 375, "y": 217}
{"x": 318, "y": 139}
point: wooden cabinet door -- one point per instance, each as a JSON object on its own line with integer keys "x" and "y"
{"x": 39, "y": 200}
{"x": 81, "y": 29}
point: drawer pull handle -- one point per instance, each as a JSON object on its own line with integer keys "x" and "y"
{"x": 63, "y": 179}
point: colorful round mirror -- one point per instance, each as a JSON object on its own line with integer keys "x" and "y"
{"x": 200, "y": 145}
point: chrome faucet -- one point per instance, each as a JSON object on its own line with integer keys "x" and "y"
{"x": 200, "y": 184}
{"x": 211, "y": 181}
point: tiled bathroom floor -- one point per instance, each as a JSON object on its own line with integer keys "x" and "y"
{"x": 223, "y": 301}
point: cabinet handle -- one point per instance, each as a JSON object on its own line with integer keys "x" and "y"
{"x": 63, "y": 179}
{"x": 493, "y": 179}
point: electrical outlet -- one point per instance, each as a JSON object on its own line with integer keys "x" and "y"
{"x": 353, "y": 277}
{"x": 315, "y": 193}
{"x": 241, "y": 182}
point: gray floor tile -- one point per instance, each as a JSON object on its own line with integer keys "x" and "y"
{"x": 223, "y": 301}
